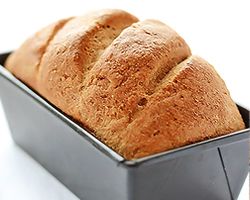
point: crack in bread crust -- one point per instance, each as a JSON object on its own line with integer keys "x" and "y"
{"x": 191, "y": 105}
{"x": 57, "y": 28}
{"x": 72, "y": 54}
{"x": 123, "y": 75}
{"x": 25, "y": 61}
{"x": 136, "y": 86}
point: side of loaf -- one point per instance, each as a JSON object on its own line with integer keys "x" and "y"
{"x": 134, "y": 84}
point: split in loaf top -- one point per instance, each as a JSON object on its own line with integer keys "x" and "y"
{"x": 133, "y": 83}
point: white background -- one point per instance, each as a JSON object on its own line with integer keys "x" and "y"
{"x": 219, "y": 31}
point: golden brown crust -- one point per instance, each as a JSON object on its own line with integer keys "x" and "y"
{"x": 73, "y": 52}
{"x": 192, "y": 104}
{"x": 127, "y": 71}
{"x": 25, "y": 61}
{"x": 135, "y": 85}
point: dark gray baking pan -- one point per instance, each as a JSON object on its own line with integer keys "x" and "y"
{"x": 210, "y": 170}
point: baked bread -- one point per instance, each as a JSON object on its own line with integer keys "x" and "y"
{"x": 134, "y": 85}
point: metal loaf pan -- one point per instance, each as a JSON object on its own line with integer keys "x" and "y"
{"x": 214, "y": 169}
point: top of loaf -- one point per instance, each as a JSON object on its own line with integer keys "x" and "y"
{"x": 134, "y": 84}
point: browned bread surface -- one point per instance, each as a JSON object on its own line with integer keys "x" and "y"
{"x": 25, "y": 61}
{"x": 73, "y": 52}
{"x": 134, "y": 84}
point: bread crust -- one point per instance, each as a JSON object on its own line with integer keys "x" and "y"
{"x": 72, "y": 53}
{"x": 125, "y": 74}
{"x": 135, "y": 85}
{"x": 25, "y": 61}
{"x": 192, "y": 104}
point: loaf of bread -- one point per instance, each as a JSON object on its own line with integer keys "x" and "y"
{"x": 134, "y": 84}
